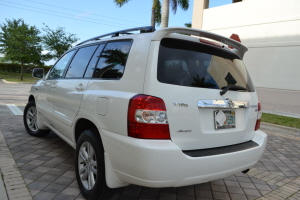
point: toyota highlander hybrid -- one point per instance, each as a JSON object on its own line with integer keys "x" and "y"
{"x": 165, "y": 108}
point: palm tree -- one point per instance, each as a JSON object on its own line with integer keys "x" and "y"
{"x": 184, "y": 4}
{"x": 156, "y": 16}
{"x": 155, "y": 12}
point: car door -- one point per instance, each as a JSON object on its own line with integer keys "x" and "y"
{"x": 69, "y": 90}
{"x": 48, "y": 86}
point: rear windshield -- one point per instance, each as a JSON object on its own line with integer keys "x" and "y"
{"x": 194, "y": 64}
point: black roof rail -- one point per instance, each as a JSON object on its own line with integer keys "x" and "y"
{"x": 143, "y": 29}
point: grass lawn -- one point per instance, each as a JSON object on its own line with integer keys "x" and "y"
{"x": 281, "y": 120}
{"x": 15, "y": 77}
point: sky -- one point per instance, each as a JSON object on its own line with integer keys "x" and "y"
{"x": 90, "y": 18}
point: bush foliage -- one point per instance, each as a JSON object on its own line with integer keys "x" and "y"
{"x": 16, "y": 68}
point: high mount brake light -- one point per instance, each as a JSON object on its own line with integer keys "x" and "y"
{"x": 147, "y": 118}
{"x": 259, "y": 114}
{"x": 209, "y": 42}
{"x": 236, "y": 38}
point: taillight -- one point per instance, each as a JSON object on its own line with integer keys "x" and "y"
{"x": 147, "y": 118}
{"x": 259, "y": 114}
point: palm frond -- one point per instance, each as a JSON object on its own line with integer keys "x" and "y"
{"x": 184, "y": 4}
{"x": 173, "y": 6}
{"x": 189, "y": 25}
{"x": 120, "y": 3}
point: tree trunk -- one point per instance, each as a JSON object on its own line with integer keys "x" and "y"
{"x": 153, "y": 14}
{"x": 22, "y": 70}
{"x": 165, "y": 14}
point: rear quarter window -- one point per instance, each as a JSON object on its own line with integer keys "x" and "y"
{"x": 113, "y": 60}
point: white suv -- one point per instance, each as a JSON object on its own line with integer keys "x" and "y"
{"x": 157, "y": 109}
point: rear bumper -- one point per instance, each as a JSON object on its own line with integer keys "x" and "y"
{"x": 161, "y": 163}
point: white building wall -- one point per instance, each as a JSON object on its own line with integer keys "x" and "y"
{"x": 271, "y": 31}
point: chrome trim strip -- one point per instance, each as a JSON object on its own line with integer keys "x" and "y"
{"x": 228, "y": 103}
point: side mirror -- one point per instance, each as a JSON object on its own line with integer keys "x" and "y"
{"x": 38, "y": 73}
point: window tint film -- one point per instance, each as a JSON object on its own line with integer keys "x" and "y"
{"x": 193, "y": 64}
{"x": 59, "y": 68}
{"x": 80, "y": 62}
{"x": 92, "y": 64}
{"x": 113, "y": 60}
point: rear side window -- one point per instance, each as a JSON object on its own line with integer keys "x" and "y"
{"x": 59, "y": 68}
{"x": 93, "y": 62}
{"x": 80, "y": 62}
{"x": 113, "y": 60}
{"x": 193, "y": 64}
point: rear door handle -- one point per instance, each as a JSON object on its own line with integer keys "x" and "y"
{"x": 54, "y": 86}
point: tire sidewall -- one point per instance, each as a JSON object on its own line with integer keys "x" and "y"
{"x": 100, "y": 182}
{"x": 29, "y": 105}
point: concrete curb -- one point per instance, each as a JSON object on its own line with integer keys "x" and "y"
{"x": 3, "y": 195}
{"x": 9, "y": 82}
{"x": 281, "y": 130}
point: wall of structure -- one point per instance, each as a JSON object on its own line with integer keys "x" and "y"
{"x": 271, "y": 31}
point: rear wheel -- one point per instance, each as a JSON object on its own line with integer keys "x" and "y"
{"x": 30, "y": 121}
{"x": 90, "y": 166}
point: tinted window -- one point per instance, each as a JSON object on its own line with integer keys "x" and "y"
{"x": 113, "y": 60}
{"x": 80, "y": 62}
{"x": 59, "y": 68}
{"x": 92, "y": 64}
{"x": 196, "y": 65}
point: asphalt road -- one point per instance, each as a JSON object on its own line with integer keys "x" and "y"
{"x": 280, "y": 102}
{"x": 14, "y": 93}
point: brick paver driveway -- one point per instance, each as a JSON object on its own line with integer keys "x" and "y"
{"x": 47, "y": 166}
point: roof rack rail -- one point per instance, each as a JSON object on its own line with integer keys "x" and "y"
{"x": 143, "y": 29}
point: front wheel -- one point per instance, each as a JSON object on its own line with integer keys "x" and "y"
{"x": 90, "y": 166}
{"x": 30, "y": 121}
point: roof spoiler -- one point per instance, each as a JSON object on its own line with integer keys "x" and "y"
{"x": 239, "y": 48}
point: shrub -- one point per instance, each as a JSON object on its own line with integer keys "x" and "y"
{"x": 12, "y": 67}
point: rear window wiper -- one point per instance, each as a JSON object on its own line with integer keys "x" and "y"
{"x": 231, "y": 87}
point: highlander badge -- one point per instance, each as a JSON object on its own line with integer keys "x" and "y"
{"x": 184, "y": 131}
{"x": 181, "y": 104}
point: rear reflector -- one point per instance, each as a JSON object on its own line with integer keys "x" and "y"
{"x": 147, "y": 118}
{"x": 259, "y": 114}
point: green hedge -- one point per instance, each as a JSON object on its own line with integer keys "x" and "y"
{"x": 10, "y": 67}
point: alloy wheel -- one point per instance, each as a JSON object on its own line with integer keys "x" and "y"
{"x": 87, "y": 165}
{"x": 31, "y": 119}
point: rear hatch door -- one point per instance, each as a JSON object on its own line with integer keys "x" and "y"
{"x": 189, "y": 76}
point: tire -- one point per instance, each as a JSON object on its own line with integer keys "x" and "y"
{"x": 30, "y": 118}
{"x": 90, "y": 166}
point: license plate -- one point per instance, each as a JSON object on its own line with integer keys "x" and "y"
{"x": 228, "y": 123}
